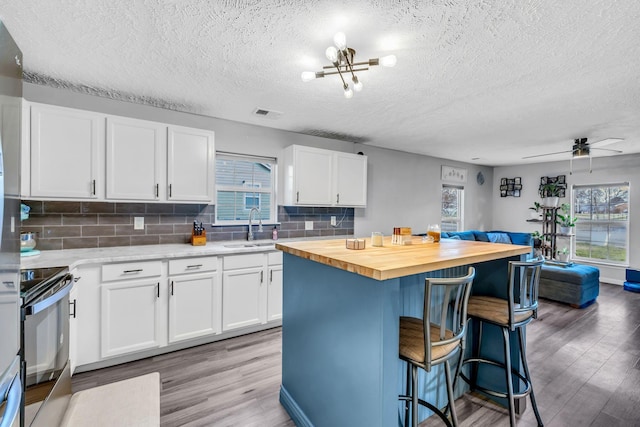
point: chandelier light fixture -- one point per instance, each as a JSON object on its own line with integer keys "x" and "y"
{"x": 342, "y": 60}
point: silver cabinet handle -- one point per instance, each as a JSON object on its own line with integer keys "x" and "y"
{"x": 93, "y": 191}
{"x": 172, "y": 288}
{"x": 261, "y": 277}
{"x": 338, "y": 198}
{"x": 72, "y": 303}
{"x": 138, "y": 270}
{"x": 194, "y": 266}
{"x": 270, "y": 275}
{"x": 169, "y": 190}
{"x": 158, "y": 287}
{"x": 297, "y": 196}
{"x": 9, "y": 284}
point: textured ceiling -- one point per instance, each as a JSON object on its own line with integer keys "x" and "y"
{"x": 477, "y": 81}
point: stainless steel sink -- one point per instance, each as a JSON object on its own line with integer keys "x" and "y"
{"x": 249, "y": 245}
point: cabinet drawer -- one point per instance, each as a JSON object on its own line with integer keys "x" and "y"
{"x": 131, "y": 270}
{"x": 243, "y": 261}
{"x": 274, "y": 258}
{"x": 193, "y": 265}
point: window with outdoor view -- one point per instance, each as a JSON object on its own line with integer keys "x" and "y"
{"x": 243, "y": 183}
{"x": 452, "y": 208}
{"x": 602, "y": 226}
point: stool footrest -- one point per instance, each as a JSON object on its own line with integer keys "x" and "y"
{"x": 527, "y": 384}
{"x": 432, "y": 407}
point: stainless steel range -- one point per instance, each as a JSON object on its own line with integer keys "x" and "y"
{"x": 45, "y": 344}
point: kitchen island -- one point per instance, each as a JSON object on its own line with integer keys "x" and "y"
{"x": 340, "y": 364}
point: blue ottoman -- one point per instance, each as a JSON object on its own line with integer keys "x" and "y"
{"x": 577, "y": 285}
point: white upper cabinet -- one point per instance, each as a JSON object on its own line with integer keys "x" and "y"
{"x": 190, "y": 174}
{"x": 317, "y": 177}
{"x": 135, "y": 158}
{"x": 65, "y": 153}
{"x": 76, "y": 154}
{"x": 351, "y": 179}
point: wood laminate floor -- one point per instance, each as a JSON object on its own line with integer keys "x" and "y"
{"x": 585, "y": 366}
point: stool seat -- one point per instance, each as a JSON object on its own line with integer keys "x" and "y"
{"x": 494, "y": 310}
{"x": 412, "y": 340}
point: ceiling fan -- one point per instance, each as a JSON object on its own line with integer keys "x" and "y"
{"x": 582, "y": 148}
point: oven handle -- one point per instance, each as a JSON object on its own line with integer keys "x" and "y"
{"x": 54, "y": 298}
{"x": 13, "y": 399}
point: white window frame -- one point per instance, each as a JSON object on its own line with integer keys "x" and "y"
{"x": 256, "y": 187}
{"x": 460, "y": 219}
{"x": 628, "y": 225}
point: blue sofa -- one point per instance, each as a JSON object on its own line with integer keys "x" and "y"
{"x": 490, "y": 236}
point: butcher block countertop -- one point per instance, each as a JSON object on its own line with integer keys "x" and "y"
{"x": 393, "y": 261}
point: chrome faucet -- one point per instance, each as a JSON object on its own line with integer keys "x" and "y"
{"x": 250, "y": 235}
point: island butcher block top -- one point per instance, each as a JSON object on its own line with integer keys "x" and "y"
{"x": 391, "y": 261}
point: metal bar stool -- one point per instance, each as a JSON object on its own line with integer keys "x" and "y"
{"x": 514, "y": 313}
{"x": 435, "y": 339}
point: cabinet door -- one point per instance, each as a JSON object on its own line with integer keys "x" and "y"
{"x": 351, "y": 180}
{"x": 274, "y": 297}
{"x": 242, "y": 298}
{"x": 130, "y": 317}
{"x": 190, "y": 165}
{"x": 64, "y": 152}
{"x": 135, "y": 159}
{"x": 194, "y": 306}
{"x": 313, "y": 174}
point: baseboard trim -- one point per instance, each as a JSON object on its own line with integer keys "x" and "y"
{"x": 295, "y": 412}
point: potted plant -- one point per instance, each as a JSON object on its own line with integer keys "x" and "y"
{"x": 564, "y": 220}
{"x": 536, "y": 211}
{"x": 563, "y": 254}
{"x": 550, "y": 193}
{"x": 537, "y": 244}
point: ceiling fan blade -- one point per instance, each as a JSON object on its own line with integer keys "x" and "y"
{"x": 607, "y": 149}
{"x": 547, "y": 154}
{"x": 605, "y": 142}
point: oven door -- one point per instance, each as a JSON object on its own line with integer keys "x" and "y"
{"x": 46, "y": 355}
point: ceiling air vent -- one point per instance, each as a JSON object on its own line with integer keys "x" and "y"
{"x": 261, "y": 112}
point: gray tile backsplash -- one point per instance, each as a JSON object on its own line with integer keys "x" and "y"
{"x": 70, "y": 225}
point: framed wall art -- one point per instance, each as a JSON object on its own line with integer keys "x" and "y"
{"x": 451, "y": 174}
{"x": 510, "y": 187}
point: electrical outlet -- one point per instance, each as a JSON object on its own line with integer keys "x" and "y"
{"x": 333, "y": 221}
{"x": 138, "y": 223}
{"x": 308, "y": 225}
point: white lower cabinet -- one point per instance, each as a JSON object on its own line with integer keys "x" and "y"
{"x": 251, "y": 289}
{"x": 195, "y": 304}
{"x": 130, "y": 317}
{"x": 243, "y": 291}
{"x": 122, "y": 309}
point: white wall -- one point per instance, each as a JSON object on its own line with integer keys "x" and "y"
{"x": 511, "y": 213}
{"x": 404, "y": 190}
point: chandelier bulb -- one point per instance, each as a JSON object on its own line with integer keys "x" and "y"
{"x": 332, "y": 54}
{"x": 388, "y": 61}
{"x": 348, "y": 93}
{"x": 357, "y": 84}
{"x": 307, "y": 76}
{"x": 340, "y": 40}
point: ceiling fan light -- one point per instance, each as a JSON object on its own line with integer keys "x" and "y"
{"x": 340, "y": 40}
{"x": 388, "y": 61}
{"x": 348, "y": 93}
{"x": 332, "y": 54}
{"x": 307, "y": 76}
